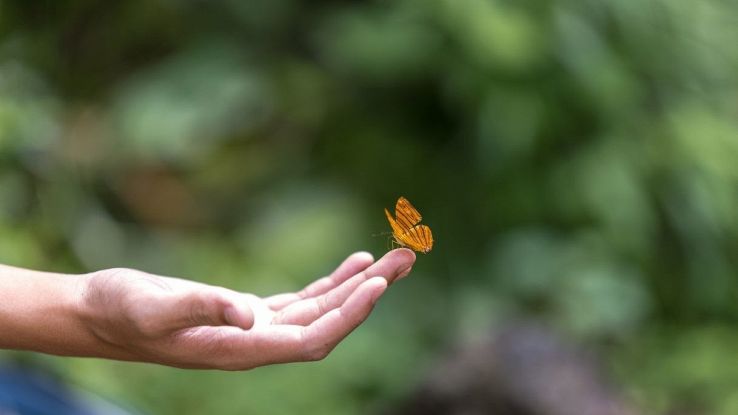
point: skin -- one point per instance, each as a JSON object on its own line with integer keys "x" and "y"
{"x": 126, "y": 314}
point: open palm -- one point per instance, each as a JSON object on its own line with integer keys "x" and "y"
{"x": 188, "y": 324}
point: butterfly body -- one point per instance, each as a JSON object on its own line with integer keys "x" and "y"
{"x": 406, "y": 227}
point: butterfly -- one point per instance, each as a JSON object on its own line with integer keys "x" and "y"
{"x": 406, "y": 230}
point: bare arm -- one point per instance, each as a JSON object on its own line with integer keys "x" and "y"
{"x": 131, "y": 315}
{"x": 40, "y": 311}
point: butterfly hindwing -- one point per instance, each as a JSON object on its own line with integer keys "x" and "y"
{"x": 418, "y": 238}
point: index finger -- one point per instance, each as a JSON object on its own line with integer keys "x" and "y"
{"x": 355, "y": 263}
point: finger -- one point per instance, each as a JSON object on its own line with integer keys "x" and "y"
{"x": 321, "y": 337}
{"x": 352, "y": 265}
{"x": 393, "y": 265}
{"x": 208, "y": 306}
{"x": 224, "y": 347}
{"x": 305, "y": 312}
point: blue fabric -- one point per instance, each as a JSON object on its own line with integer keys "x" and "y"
{"x": 26, "y": 392}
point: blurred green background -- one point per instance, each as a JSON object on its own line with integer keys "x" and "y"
{"x": 577, "y": 161}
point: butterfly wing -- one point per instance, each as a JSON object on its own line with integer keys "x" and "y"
{"x": 406, "y": 214}
{"x": 396, "y": 228}
{"x": 405, "y": 227}
{"x": 418, "y": 238}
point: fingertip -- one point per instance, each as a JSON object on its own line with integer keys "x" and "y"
{"x": 401, "y": 260}
{"x": 378, "y": 285}
{"x": 362, "y": 256}
{"x": 402, "y": 254}
{"x": 377, "y": 282}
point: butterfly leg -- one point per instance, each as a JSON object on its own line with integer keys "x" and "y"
{"x": 395, "y": 243}
{"x": 392, "y": 243}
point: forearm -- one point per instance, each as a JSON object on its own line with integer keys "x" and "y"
{"x": 44, "y": 312}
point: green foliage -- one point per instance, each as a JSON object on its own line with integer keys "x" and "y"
{"x": 575, "y": 159}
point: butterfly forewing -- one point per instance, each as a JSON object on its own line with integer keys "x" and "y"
{"x": 396, "y": 228}
{"x": 406, "y": 214}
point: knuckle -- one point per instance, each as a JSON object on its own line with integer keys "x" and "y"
{"x": 202, "y": 309}
{"x": 323, "y": 304}
{"x": 197, "y": 313}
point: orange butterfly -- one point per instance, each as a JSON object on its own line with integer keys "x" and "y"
{"x": 406, "y": 230}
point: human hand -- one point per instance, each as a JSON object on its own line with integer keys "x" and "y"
{"x": 181, "y": 323}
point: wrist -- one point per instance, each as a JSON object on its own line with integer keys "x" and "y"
{"x": 47, "y": 312}
{"x": 89, "y": 307}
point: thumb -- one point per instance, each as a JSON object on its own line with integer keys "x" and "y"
{"x": 210, "y": 307}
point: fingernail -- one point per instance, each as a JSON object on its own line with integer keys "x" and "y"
{"x": 404, "y": 273}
